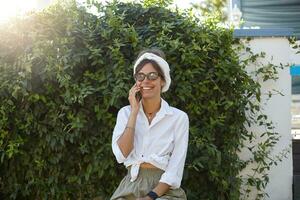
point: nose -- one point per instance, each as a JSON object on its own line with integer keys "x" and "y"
{"x": 143, "y": 82}
{"x": 145, "y": 79}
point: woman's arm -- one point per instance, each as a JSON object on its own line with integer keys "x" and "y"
{"x": 174, "y": 171}
{"x": 161, "y": 189}
{"x": 126, "y": 140}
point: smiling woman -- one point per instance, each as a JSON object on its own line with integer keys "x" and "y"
{"x": 14, "y": 8}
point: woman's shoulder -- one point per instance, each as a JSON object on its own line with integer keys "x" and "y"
{"x": 179, "y": 113}
{"x": 125, "y": 109}
{"x": 174, "y": 111}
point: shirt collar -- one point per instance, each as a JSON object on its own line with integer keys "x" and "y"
{"x": 165, "y": 108}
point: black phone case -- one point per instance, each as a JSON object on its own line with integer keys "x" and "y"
{"x": 138, "y": 95}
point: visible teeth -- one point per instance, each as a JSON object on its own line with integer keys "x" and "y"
{"x": 146, "y": 88}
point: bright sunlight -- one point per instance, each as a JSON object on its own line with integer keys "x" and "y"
{"x": 11, "y": 8}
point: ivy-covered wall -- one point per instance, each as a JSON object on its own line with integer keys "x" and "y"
{"x": 66, "y": 72}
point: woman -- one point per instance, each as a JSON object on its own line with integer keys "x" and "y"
{"x": 150, "y": 137}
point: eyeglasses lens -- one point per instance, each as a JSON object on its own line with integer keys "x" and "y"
{"x": 150, "y": 76}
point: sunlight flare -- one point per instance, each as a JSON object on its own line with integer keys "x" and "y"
{"x": 14, "y": 8}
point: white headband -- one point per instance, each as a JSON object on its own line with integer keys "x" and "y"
{"x": 162, "y": 64}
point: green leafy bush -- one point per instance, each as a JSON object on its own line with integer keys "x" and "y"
{"x": 66, "y": 72}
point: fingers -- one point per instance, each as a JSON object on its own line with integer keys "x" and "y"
{"x": 133, "y": 98}
{"x": 135, "y": 88}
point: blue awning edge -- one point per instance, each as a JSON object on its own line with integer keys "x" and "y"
{"x": 265, "y": 32}
{"x": 295, "y": 70}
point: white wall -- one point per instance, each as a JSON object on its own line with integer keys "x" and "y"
{"x": 278, "y": 109}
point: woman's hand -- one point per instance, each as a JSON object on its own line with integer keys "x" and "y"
{"x": 144, "y": 198}
{"x": 133, "y": 99}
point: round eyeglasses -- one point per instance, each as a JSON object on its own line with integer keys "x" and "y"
{"x": 150, "y": 76}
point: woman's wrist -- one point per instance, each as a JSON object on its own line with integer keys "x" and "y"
{"x": 153, "y": 195}
{"x": 134, "y": 111}
{"x": 130, "y": 127}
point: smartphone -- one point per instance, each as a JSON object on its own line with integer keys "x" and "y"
{"x": 138, "y": 96}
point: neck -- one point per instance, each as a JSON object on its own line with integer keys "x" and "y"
{"x": 151, "y": 106}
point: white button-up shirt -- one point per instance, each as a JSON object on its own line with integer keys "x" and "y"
{"x": 163, "y": 143}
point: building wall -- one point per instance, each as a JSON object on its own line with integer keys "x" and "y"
{"x": 278, "y": 109}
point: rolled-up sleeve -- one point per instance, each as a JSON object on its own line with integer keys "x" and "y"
{"x": 174, "y": 171}
{"x": 118, "y": 131}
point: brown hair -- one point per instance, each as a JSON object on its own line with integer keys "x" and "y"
{"x": 157, "y": 52}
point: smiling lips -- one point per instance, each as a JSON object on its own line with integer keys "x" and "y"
{"x": 146, "y": 88}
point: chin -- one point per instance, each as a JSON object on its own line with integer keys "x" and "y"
{"x": 148, "y": 97}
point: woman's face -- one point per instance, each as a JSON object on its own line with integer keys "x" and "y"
{"x": 150, "y": 89}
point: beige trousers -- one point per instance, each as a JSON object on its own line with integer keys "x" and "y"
{"x": 145, "y": 182}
